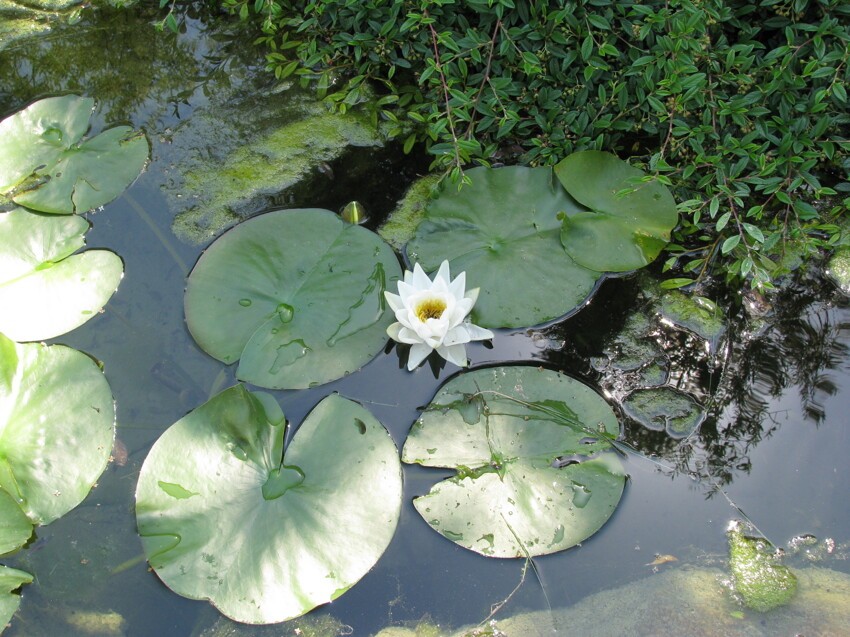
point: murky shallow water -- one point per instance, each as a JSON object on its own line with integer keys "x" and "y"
{"x": 776, "y": 439}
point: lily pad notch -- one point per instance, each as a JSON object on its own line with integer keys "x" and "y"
{"x": 47, "y": 164}
{"x": 593, "y": 214}
{"x": 535, "y": 468}
{"x": 267, "y": 534}
{"x": 296, "y": 296}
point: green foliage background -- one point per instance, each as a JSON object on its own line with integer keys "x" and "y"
{"x": 740, "y": 106}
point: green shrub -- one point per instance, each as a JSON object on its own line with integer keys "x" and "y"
{"x": 741, "y": 107}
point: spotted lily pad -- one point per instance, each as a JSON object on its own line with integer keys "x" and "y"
{"x": 532, "y": 451}
{"x": 45, "y": 289}
{"x": 297, "y": 296}
{"x": 57, "y": 425}
{"x": 266, "y": 535}
{"x": 625, "y": 225}
{"x": 503, "y": 230}
{"x": 46, "y": 165}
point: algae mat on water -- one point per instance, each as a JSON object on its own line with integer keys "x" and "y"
{"x": 233, "y": 159}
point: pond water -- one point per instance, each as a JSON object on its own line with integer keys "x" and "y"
{"x": 773, "y": 444}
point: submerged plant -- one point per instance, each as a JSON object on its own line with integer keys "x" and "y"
{"x": 432, "y": 315}
{"x": 760, "y": 579}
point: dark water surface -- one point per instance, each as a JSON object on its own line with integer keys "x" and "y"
{"x": 775, "y": 439}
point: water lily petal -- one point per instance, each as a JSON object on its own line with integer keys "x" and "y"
{"x": 461, "y": 308}
{"x": 402, "y": 334}
{"x": 458, "y": 286}
{"x": 420, "y": 280}
{"x": 443, "y": 273}
{"x": 394, "y": 301}
{"x": 478, "y": 333}
{"x": 457, "y": 335}
{"x": 455, "y": 354}
{"x": 418, "y": 353}
{"x": 409, "y": 336}
{"x": 393, "y": 331}
{"x": 405, "y": 290}
{"x": 472, "y": 294}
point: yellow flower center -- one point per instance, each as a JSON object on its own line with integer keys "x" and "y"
{"x": 430, "y": 308}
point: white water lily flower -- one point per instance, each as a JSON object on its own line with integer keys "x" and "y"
{"x": 432, "y": 315}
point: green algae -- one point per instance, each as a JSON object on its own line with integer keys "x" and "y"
{"x": 633, "y": 348}
{"x": 838, "y": 269}
{"x": 314, "y": 625}
{"x": 23, "y": 21}
{"x": 759, "y": 579}
{"x": 695, "y": 314}
{"x": 401, "y": 224}
{"x": 689, "y": 601}
{"x": 288, "y": 136}
{"x": 664, "y": 409}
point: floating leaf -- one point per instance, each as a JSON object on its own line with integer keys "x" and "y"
{"x": 45, "y": 289}
{"x": 503, "y": 230}
{"x": 10, "y": 579}
{"x": 620, "y": 231}
{"x": 296, "y": 295}
{"x": 15, "y": 526}
{"x": 531, "y": 448}
{"x": 265, "y": 537}
{"x": 57, "y": 424}
{"x": 46, "y": 165}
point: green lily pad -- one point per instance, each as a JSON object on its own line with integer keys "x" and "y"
{"x": 531, "y": 447}
{"x": 619, "y": 232}
{"x": 57, "y": 425}
{"x": 297, "y": 296}
{"x": 15, "y": 526}
{"x": 503, "y": 230}
{"x": 46, "y": 165}
{"x": 45, "y": 289}
{"x": 226, "y": 515}
{"x": 10, "y": 579}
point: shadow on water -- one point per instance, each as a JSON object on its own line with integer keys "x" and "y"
{"x": 775, "y": 392}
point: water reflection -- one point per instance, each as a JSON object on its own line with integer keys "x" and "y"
{"x": 798, "y": 343}
{"x": 137, "y": 73}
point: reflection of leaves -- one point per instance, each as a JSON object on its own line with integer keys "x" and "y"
{"x": 116, "y": 55}
{"x": 797, "y": 345}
